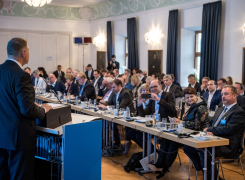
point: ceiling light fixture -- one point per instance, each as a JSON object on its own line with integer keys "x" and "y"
{"x": 37, "y": 3}
{"x": 99, "y": 40}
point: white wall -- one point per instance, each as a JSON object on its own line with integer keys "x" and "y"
{"x": 233, "y": 40}
{"x": 76, "y": 28}
{"x": 120, "y": 51}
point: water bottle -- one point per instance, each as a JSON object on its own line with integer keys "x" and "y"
{"x": 76, "y": 100}
{"x": 89, "y": 103}
{"x": 128, "y": 112}
{"x": 64, "y": 98}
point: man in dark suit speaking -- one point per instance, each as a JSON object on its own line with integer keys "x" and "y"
{"x": 18, "y": 114}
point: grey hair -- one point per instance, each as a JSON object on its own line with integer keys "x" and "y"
{"x": 36, "y": 72}
{"x": 109, "y": 80}
{"x": 167, "y": 76}
{"x": 77, "y": 71}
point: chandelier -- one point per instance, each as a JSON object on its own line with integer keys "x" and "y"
{"x": 99, "y": 41}
{"x": 37, "y": 3}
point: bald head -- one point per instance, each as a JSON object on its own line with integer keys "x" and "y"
{"x": 156, "y": 86}
{"x": 51, "y": 78}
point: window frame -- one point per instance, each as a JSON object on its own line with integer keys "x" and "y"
{"x": 196, "y": 54}
{"x": 126, "y": 54}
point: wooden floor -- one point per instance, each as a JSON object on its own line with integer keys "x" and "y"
{"x": 113, "y": 171}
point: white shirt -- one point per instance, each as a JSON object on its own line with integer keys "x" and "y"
{"x": 54, "y": 83}
{"x": 96, "y": 80}
{"x": 89, "y": 74}
{"x": 167, "y": 87}
{"x": 116, "y": 76}
{"x": 40, "y": 84}
{"x": 228, "y": 107}
{"x": 16, "y": 62}
{"x": 210, "y": 96}
{"x": 193, "y": 85}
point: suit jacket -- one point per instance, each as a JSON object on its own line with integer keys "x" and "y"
{"x": 110, "y": 67}
{"x": 177, "y": 83}
{"x": 166, "y": 106}
{"x": 216, "y": 100}
{"x": 102, "y": 93}
{"x": 233, "y": 129}
{"x": 18, "y": 111}
{"x": 59, "y": 86}
{"x": 129, "y": 86}
{"x": 202, "y": 91}
{"x": 99, "y": 82}
{"x": 175, "y": 89}
{"x": 143, "y": 80}
{"x": 197, "y": 86}
{"x": 62, "y": 77}
{"x": 88, "y": 91}
{"x": 92, "y": 75}
{"x": 124, "y": 99}
{"x": 73, "y": 89}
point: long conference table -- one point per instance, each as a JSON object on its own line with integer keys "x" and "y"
{"x": 109, "y": 120}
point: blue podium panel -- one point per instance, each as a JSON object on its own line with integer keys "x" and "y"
{"x": 82, "y": 151}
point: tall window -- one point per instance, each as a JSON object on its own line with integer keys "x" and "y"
{"x": 126, "y": 52}
{"x": 197, "y": 52}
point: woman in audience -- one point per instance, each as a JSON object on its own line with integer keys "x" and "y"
{"x": 196, "y": 118}
{"x": 229, "y": 80}
{"x": 71, "y": 87}
{"x": 43, "y": 72}
{"x": 39, "y": 82}
{"x": 136, "y": 83}
{"x": 132, "y": 134}
{"x": 148, "y": 80}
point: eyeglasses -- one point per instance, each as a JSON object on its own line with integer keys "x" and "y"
{"x": 154, "y": 86}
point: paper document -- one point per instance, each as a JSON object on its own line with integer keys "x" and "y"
{"x": 55, "y": 105}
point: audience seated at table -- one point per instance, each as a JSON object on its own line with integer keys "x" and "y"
{"x": 221, "y": 83}
{"x": 193, "y": 83}
{"x": 74, "y": 74}
{"x": 123, "y": 97}
{"x": 42, "y": 72}
{"x": 204, "y": 87}
{"x": 68, "y": 71}
{"x": 148, "y": 80}
{"x": 105, "y": 90}
{"x": 55, "y": 85}
{"x": 127, "y": 73}
{"x": 71, "y": 87}
{"x": 97, "y": 81}
{"x": 212, "y": 96}
{"x": 142, "y": 77}
{"x": 87, "y": 89}
{"x": 228, "y": 122}
{"x": 89, "y": 72}
{"x": 39, "y": 82}
{"x": 28, "y": 70}
{"x": 196, "y": 118}
{"x": 168, "y": 86}
{"x": 229, "y": 80}
{"x": 116, "y": 73}
{"x": 240, "y": 89}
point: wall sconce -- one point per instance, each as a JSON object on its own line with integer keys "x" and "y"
{"x": 99, "y": 41}
{"x": 153, "y": 37}
{"x": 243, "y": 29}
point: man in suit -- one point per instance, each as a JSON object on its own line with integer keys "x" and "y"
{"x": 228, "y": 122}
{"x": 28, "y": 70}
{"x": 204, "y": 87}
{"x": 110, "y": 74}
{"x": 97, "y": 81}
{"x": 74, "y": 74}
{"x": 89, "y": 72}
{"x": 122, "y": 96}
{"x": 113, "y": 64}
{"x": 160, "y": 102}
{"x": 221, "y": 83}
{"x": 142, "y": 77}
{"x": 87, "y": 89}
{"x": 103, "y": 73}
{"x": 170, "y": 87}
{"x": 212, "y": 96}
{"x": 116, "y": 73}
{"x": 175, "y": 81}
{"x": 105, "y": 90}
{"x": 192, "y": 82}
{"x": 60, "y": 75}
{"x": 127, "y": 84}
{"x": 18, "y": 114}
{"x": 240, "y": 89}
{"x": 55, "y": 85}
{"x": 127, "y": 72}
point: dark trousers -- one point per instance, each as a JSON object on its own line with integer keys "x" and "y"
{"x": 197, "y": 157}
{"x": 16, "y": 165}
{"x": 167, "y": 154}
{"x": 137, "y": 137}
{"x": 116, "y": 134}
